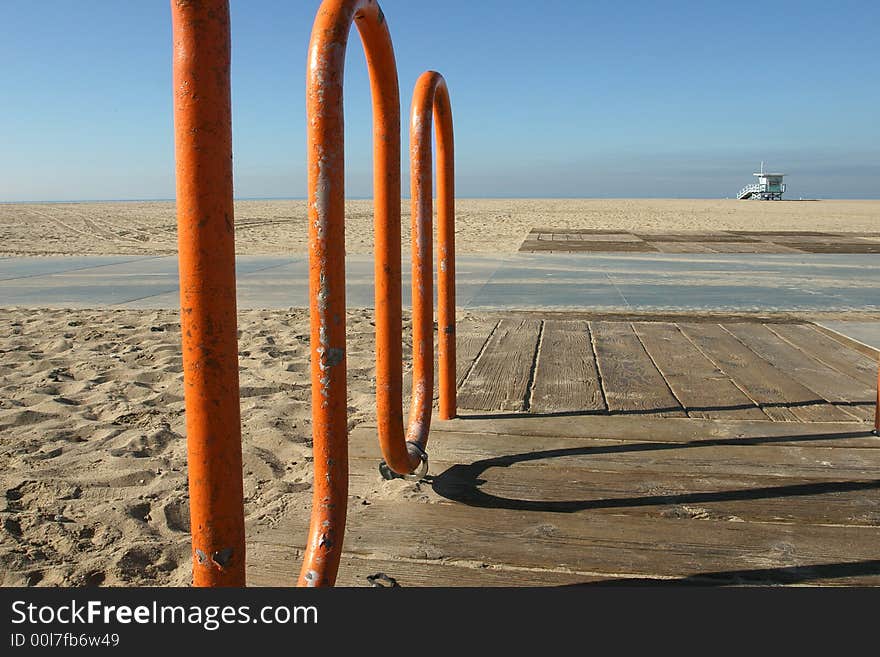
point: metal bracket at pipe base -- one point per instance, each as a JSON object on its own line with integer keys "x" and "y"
{"x": 416, "y": 475}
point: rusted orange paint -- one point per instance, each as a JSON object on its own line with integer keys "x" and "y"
{"x": 203, "y": 143}
{"x": 432, "y": 96}
{"x": 326, "y": 159}
{"x": 877, "y": 406}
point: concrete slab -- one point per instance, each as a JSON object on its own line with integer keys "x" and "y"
{"x": 68, "y": 295}
{"x": 748, "y": 298}
{"x": 521, "y": 295}
{"x": 628, "y": 282}
{"x": 16, "y": 268}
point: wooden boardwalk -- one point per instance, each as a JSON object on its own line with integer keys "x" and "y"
{"x": 563, "y": 240}
{"x": 731, "y": 370}
{"x": 603, "y": 452}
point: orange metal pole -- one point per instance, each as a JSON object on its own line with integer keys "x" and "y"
{"x": 432, "y": 95}
{"x": 203, "y": 139}
{"x": 877, "y": 407}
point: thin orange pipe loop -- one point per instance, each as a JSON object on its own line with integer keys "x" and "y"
{"x": 203, "y": 155}
{"x": 431, "y": 96}
{"x": 403, "y": 452}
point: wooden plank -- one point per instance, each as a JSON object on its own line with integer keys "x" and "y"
{"x": 823, "y": 381}
{"x": 580, "y": 243}
{"x": 801, "y": 365}
{"x": 471, "y": 336}
{"x": 694, "y": 236}
{"x": 630, "y": 380}
{"x": 597, "y": 543}
{"x": 538, "y": 245}
{"x": 780, "y": 396}
{"x": 703, "y": 389}
{"x": 591, "y": 246}
{"x": 865, "y": 247}
{"x": 273, "y": 564}
{"x": 864, "y": 410}
{"x": 608, "y": 237}
{"x": 499, "y": 381}
{"x": 601, "y": 231}
{"x": 567, "y": 489}
{"x": 566, "y": 378}
{"x": 681, "y": 247}
{"x": 771, "y": 234}
{"x": 705, "y": 458}
{"x": 805, "y": 337}
{"x": 356, "y": 572}
{"x": 635, "y": 428}
{"x": 748, "y": 247}
{"x": 752, "y": 247}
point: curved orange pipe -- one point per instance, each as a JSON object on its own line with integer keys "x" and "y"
{"x": 432, "y": 96}
{"x": 326, "y": 162}
{"x": 203, "y": 154}
{"x": 403, "y": 452}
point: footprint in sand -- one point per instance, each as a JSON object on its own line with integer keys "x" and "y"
{"x": 140, "y": 511}
{"x": 176, "y": 515}
{"x": 145, "y": 446}
{"x": 143, "y": 561}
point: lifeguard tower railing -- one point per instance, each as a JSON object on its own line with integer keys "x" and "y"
{"x": 763, "y": 191}
{"x": 203, "y": 139}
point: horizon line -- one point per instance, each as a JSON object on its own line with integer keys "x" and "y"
{"x": 407, "y": 198}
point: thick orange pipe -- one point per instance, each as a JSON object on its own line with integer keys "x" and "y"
{"x": 203, "y": 141}
{"x": 432, "y": 96}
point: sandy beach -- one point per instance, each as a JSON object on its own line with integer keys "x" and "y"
{"x": 92, "y": 434}
{"x": 93, "y": 448}
{"x": 482, "y": 226}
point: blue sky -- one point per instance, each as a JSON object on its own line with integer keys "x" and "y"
{"x": 550, "y": 98}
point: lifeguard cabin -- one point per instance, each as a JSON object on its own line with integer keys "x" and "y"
{"x": 768, "y": 188}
